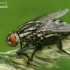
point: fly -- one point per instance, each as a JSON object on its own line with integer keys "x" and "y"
{"x": 39, "y": 32}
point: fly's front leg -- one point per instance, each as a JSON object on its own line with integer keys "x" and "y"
{"x": 22, "y": 50}
{"x": 21, "y": 45}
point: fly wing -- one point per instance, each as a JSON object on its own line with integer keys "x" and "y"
{"x": 53, "y": 15}
{"x": 63, "y": 28}
{"x": 53, "y": 27}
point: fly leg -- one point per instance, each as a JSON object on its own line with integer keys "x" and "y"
{"x": 59, "y": 44}
{"x": 38, "y": 47}
{"x": 52, "y": 40}
{"x": 22, "y": 50}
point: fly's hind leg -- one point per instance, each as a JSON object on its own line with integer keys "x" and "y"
{"x": 59, "y": 44}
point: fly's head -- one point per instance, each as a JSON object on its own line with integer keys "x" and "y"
{"x": 12, "y": 39}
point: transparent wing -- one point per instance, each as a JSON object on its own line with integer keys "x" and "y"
{"x": 53, "y": 15}
{"x": 46, "y": 29}
{"x": 54, "y": 27}
{"x": 65, "y": 27}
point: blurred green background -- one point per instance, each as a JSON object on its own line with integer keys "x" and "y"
{"x": 20, "y": 11}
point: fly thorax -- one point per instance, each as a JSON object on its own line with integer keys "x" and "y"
{"x": 25, "y": 36}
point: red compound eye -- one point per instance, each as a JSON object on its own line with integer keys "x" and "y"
{"x": 12, "y": 38}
